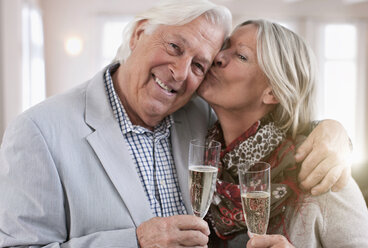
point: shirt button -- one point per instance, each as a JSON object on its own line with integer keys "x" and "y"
{"x": 162, "y": 182}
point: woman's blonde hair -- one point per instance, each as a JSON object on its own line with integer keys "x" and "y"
{"x": 176, "y": 13}
{"x": 290, "y": 67}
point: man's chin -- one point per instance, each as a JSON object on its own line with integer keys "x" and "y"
{"x": 155, "y": 115}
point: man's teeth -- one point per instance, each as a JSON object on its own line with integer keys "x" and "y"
{"x": 162, "y": 85}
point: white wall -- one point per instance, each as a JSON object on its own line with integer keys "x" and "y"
{"x": 65, "y": 18}
{"x": 10, "y": 61}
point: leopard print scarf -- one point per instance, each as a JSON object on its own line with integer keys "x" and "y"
{"x": 256, "y": 147}
{"x": 263, "y": 141}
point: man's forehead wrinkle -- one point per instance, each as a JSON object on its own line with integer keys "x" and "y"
{"x": 205, "y": 35}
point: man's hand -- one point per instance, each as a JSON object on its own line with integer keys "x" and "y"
{"x": 174, "y": 231}
{"x": 326, "y": 154}
{"x": 266, "y": 241}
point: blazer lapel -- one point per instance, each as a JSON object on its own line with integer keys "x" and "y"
{"x": 190, "y": 122}
{"x": 110, "y": 146}
{"x": 180, "y": 138}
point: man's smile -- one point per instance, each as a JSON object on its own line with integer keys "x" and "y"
{"x": 163, "y": 85}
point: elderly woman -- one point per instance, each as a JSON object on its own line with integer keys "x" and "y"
{"x": 261, "y": 87}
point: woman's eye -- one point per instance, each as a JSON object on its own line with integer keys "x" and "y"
{"x": 241, "y": 57}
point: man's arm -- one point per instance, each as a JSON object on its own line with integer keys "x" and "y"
{"x": 32, "y": 202}
{"x": 326, "y": 158}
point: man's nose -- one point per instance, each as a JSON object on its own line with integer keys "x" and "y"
{"x": 220, "y": 59}
{"x": 180, "y": 69}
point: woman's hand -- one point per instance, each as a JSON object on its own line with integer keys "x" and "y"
{"x": 269, "y": 241}
{"x": 326, "y": 154}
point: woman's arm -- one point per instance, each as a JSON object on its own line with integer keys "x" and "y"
{"x": 336, "y": 220}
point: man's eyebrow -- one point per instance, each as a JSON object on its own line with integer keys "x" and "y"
{"x": 204, "y": 60}
{"x": 182, "y": 39}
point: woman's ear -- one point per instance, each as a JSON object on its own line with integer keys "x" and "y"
{"x": 137, "y": 32}
{"x": 269, "y": 97}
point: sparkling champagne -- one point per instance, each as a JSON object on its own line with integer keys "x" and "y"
{"x": 256, "y": 207}
{"x": 202, "y": 183}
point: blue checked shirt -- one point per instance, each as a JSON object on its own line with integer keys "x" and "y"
{"x": 152, "y": 154}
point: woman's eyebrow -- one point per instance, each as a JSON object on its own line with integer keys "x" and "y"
{"x": 244, "y": 46}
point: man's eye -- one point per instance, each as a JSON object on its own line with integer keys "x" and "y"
{"x": 173, "y": 45}
{"x": 199, "y": 68}
{"x": 173, "y": 49}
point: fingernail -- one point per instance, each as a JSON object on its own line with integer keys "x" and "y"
{"x": 253, "y": 243}
{"x": 298, "y": 155}
{"x": 314, "y": 192}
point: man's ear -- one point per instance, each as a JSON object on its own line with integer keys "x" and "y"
{"x": 269, "y": 97}
{"x": 137, "y": 32}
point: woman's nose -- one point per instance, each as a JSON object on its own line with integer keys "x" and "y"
{"x": 220, "y": 59}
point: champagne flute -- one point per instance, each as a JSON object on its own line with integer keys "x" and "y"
{"x": 254, "y": 180}
{"x": 203, "y": 166}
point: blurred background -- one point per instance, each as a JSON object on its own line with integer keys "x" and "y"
{"x": 49, "y": 46}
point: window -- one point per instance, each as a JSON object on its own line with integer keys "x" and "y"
{"x": 33, "y": 63}
{"x": 338, "y": 96}
{"x": 340, "y": 75}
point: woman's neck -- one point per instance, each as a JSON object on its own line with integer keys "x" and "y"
{"x": 234, "y": 123}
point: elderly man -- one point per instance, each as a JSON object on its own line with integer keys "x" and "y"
{"x": 104, "y": 165}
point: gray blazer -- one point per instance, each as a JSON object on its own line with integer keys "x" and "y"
{"x": 67, "y": 178}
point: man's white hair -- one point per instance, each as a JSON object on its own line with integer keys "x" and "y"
{"x": 175, "y": 13}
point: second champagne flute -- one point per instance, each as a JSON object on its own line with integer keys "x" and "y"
{"x": 254, "y": 180}
{"x": 203, "y": 166}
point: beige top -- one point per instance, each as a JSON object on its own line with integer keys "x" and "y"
{"x": 334, "y": 219}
